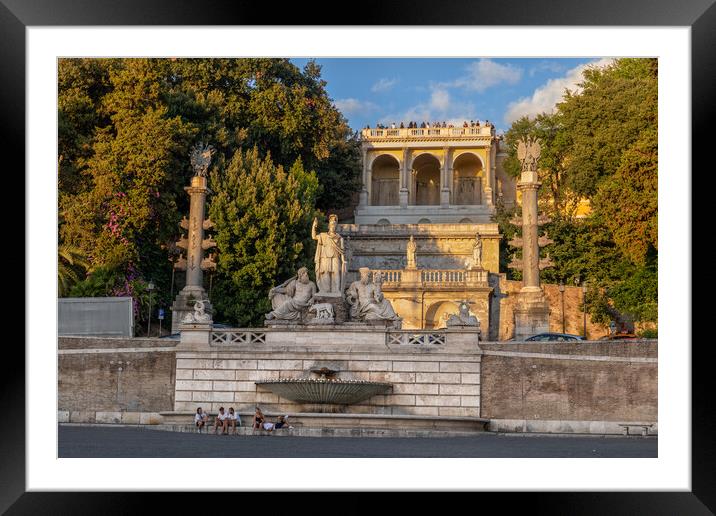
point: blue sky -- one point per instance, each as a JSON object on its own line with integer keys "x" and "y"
{"x": 394, "y": 90}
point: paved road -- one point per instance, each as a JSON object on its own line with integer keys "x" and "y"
{"x": 81, "y": 441}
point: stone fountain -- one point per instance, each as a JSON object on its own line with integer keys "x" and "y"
{"x": 325, "y": 389}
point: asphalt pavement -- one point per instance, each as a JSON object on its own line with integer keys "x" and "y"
{"x": 111, "y": 442}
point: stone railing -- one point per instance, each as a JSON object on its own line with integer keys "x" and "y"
{"x": 442, "y": 277}
{"x": 415, "y": 338}
{"x": 434, "y": 277}
{"x": 453, "y": 132}
{"x": 237, "y": 336}
{"x": 392, "y": 277}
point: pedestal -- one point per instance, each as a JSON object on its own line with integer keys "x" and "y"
{"x": 410, "y": 278}
{"x": 445, "y": 198}
{"x": 363, "y": 198}
{"x": 195, "y": 337}
{"x": 403, "y": 197}
{"x": 531, "y": 315}
{"x": 184, "y": 304}
{"x": 340, "y": 308}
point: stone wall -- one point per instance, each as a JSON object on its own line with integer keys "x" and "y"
{"x": 560, "y": 386}
{"x": 431, "y": 380}
{"x": 115, "y": 379}
{"x": 589, "y": 381}
{"x": 503, "y": 321}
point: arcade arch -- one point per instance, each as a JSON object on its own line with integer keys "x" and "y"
{"x": 426, "y": 180}
{"x": 438, "y": 313}
{"x": 468, "y": 177}
{"x": 385, "y": 178}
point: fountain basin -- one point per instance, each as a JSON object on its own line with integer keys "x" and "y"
{"x": 324, "y": 390}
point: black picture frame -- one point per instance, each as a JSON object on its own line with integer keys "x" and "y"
{"x": 700, "y": 16}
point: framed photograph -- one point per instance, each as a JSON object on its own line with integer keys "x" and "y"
{"x": 35, "y": 35}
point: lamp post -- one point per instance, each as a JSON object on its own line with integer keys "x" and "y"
{"x": 150, "y": 288}
{"x": 561, "y": 293}
{"x": 584, "y": 307}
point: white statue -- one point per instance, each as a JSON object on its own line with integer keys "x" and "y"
{"x": 411, "y": 247}
{"x": 330, "y": 258}
{"x": 198, "y": 315}
{"x": 324, "y": 312}
{"x": 477, "y": 253}
{"x": 367, "y": 300}
{"x": 463, "y": 318}
{"x": 291, "y": 297}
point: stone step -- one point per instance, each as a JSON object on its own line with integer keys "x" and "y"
{"x": 325, "y": 422}
{"x": 319, "y": 432}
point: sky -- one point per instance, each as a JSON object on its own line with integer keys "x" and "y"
{"x": 385, "y": 90}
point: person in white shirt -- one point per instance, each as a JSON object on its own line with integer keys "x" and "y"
{"x": 221, "y": 421}
{"x": 234, "y": 419}
{"x": 199, "y": 420}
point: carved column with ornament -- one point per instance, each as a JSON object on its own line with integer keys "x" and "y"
{"x": 193, "y": 261}
{"x": 532, "y": 309}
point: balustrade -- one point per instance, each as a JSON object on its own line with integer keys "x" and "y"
{"x": 460, "y": 132}
{"x": 436, "y": 277}
{"x": 237, "y": 337}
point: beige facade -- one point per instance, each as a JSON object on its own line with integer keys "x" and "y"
{"x": 432, "y": 175}
{"x": 440, "y": 186}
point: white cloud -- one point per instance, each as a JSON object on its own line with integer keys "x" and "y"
{"x": 352, "y": 106}
{"x": 440, "y": 100}
{"x": 548, "y": 66}
{"x": 486, "y": 73}
{"x": 438, "y": 108}
{"x": 545, "y": 98}
{"x": 383, "y": 85}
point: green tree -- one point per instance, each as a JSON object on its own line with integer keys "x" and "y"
{"x": 615, "y": 105}
{"x": 628, "y": 200}
{"x": 262, "y": 215}
{"x": 126, "y": 127}
{"x": 601, "y": 143}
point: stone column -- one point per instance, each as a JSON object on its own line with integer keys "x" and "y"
{"x": 493, "y": 169}
{"x": 530, "y": 248}
{"x": 488, "y": 177}
{"x": 363, "y": 197}
{"x": 195, "y": 263}
{"x": 532, "y": 310}
{"x": 444, "y": 188}
{"x": 197, "y": 193}
{"x": 404, "y": 176}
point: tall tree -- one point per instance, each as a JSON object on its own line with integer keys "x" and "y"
{"x": 262, "y": 215}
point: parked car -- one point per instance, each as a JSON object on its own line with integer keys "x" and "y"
{"x": 554, "y": 337}
{"x": 620, "y": 336}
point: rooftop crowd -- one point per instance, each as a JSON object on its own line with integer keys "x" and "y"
{"x": 428, "y": 125}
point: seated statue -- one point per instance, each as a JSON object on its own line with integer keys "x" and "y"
{"x": 367, "y": 301}
{"x": 463, "y": 318}
{"x": 291, "y": 297}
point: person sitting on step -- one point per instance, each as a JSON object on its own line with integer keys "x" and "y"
{"x": 221, "y": 421}
{"x": 199, "y": 420}
{"x": 234, "y": 420}
{"x": 258, "y": 419}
